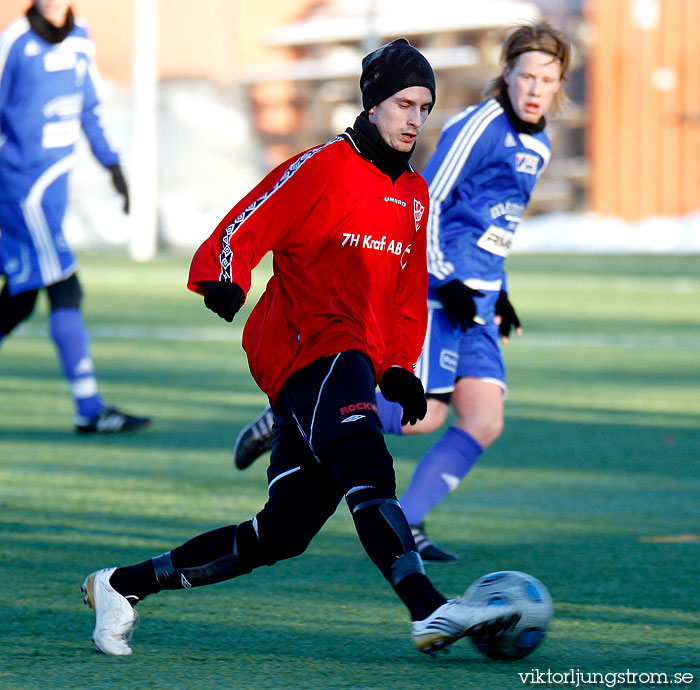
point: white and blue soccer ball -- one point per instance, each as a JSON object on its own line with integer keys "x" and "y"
{"x": 529, "y": 596}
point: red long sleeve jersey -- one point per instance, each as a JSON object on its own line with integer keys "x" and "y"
{"x": 349, "y": 263}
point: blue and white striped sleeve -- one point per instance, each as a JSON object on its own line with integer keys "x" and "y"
{"x": 91, "y": 116}
{"x": 455, "y": 157}
{"x": 8, "y": 60}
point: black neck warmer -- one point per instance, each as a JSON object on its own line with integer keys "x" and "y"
{"x": 46, "y": 30}
{"x": 519, "y": 125}
{"x": 368, "y": 139}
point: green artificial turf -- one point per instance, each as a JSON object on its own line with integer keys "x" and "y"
{"x": 593, "y": 488}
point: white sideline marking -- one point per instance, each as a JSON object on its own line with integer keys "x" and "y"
{"x": 134, "y": 332}
{"x": 233, "y": 334}
{"x": 634, "y": 342}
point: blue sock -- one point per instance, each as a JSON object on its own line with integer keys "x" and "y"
{"x": 390, "y": 414}
{"x": 73, "y": 344}
{"x": 439, "y": 471}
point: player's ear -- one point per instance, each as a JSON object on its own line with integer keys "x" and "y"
{"x": 506, "y": 75}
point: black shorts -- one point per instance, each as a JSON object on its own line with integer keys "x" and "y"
{"x": 331, "y": 398}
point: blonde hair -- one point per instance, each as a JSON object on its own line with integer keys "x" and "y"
{"x": 540, "y": 36}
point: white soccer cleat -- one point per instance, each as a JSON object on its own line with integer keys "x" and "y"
{"x": 115, "y": 617}
{"x": 456, "y": 619}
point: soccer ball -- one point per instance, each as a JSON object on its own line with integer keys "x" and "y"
{"x": 529, "y": 596}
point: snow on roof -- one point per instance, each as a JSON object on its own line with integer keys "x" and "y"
{"x": 354, "y": 21}
{"x": 345, "y": 64}
{"x": 595, "y": 233}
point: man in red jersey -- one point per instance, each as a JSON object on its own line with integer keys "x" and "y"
{"x": 345, "y": 310}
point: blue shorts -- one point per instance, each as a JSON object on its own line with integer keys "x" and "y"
{"x": 33, "y": 250}
{"x": 450, "y": 353}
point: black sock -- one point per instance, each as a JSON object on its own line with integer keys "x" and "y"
{"x": 418, "y": 594}
{"x": 387, "y": 539}
{"x": 140, "y": 580}
{"x": 135, "y": 580}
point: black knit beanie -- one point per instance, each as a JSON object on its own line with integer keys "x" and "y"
{"x": 392, "y": 68}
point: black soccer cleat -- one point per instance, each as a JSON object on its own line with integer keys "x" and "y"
{"x": 110, "y": 421}
{"x": 254, "y": 440}
{"x": 428, "y": 551}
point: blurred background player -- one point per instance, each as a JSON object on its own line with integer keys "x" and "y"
{"x": 47, "y": 95}
{"x": 481, "y": 175}
{"x": 345, "y": 223}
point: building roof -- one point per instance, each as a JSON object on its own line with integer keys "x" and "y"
{"x": 341, "y": 32}
{"x": 342, "y": 21}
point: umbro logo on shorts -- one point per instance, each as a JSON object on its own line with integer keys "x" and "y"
{"x": 353, "y": 418}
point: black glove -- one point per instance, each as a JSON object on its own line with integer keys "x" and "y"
{"x": 401, "y": 386}
{"x": 224, "y": 299}
{"x": 509, "y": 319}
{"x": 458, "y": 302}
{"x": 120, "y": 184}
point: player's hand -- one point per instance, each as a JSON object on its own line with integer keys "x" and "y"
{"x": 401, "y": 386}
{"x": 120, "y": 184}
{"x": 224, "y": 299}
{"x": 458, "y": 302}
{"x": 506, "y": 319}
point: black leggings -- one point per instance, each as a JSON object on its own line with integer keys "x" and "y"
{"x": 305, "y": 488}
{"x": 16, "y": 308}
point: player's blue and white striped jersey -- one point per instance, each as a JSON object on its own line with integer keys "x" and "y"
{"x": 47, "y": 94}
{"x": 480, "y": 179}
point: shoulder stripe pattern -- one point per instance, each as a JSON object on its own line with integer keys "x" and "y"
{"x": 446, "y": 177}
{"x": 459, "y": 116}
{"x": 346, "y": 136}
{"x": 225, "y": 256}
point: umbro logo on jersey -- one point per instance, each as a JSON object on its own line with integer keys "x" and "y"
{"x": 510, "y": 141}
{"x": 353, "y": 418}
{"x": 394, "y": 200}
